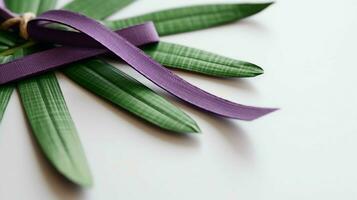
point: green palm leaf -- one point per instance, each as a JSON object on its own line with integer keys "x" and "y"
{"x": 191, "y": 59}
{"x": 53, "y": 127}
{"x": 35, "y": 6}
{"x": 7, "y": 40}
{"x": 5, "y": 90}
{"x": 5, "y": 94}
{"x": 124, "y": 91}
{"x": 46, "y": 5}
{"x": 97, "y": 9}
{"x": 192, "y": 18}
{"x": 47, "y": 111}
{"x": 21, "y": 6}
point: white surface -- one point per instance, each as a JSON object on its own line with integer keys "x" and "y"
{"x": 304, "y": 151}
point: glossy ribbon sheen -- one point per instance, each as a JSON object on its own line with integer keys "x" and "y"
{"x": 97, "y": 39}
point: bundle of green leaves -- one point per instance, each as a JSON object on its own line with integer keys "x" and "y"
{"x": 46, "y": 108}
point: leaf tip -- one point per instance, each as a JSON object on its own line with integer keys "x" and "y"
{"x": 266, "y": 4}
{"x": 252, "y": 8}
{"x": 270, "y": 3}
{"x": 84, "y": 180}
{"x": 256, "y": 70}
{"x": 263, "y": 6}
{"x": 251, "y": 70}
{"x": 190, "y": 127}
{"x": 195, "y": 128}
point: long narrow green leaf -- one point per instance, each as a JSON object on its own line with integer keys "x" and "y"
{"x": 46, "y": 5}
{"x": 53, "y": 127}
{"x": 7, "y": 41}
{"x": 22, "y": 6}
{"x": 124, "y": 91}
{"x": 5, "y": 94}
{"x": 5, "y": 90}
{"x": 48, "y": 114}
{"x": 192, "y": 18}
{"x": 182, "y": 57}
{"x": 35, "y": 6}
{"x": 97, "y": 9}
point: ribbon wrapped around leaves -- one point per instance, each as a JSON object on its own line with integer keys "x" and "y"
{"x": 95, "y": 39}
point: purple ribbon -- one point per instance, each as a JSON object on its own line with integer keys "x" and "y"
{"x": 95, "y": 39}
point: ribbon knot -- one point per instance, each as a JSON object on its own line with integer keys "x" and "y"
{"x": 21, "y": 21}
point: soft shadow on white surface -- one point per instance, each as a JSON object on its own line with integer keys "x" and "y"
{"x": 233, "y": 135}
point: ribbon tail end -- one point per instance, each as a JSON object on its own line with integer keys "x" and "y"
{"x": 260, "y": 113}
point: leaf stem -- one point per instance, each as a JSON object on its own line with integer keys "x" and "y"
{"x": 15, "y": 48}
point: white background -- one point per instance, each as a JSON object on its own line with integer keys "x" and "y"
{"x": 307, "y": 150}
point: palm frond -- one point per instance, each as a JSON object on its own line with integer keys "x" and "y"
{"x": 191, "y": 59}
{"x": 192, "y": 18}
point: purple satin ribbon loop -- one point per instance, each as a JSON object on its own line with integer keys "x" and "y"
{"x": 94, "y": 34}
{"x": 43, "y": 61}
{"x": 137, "y": 35}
